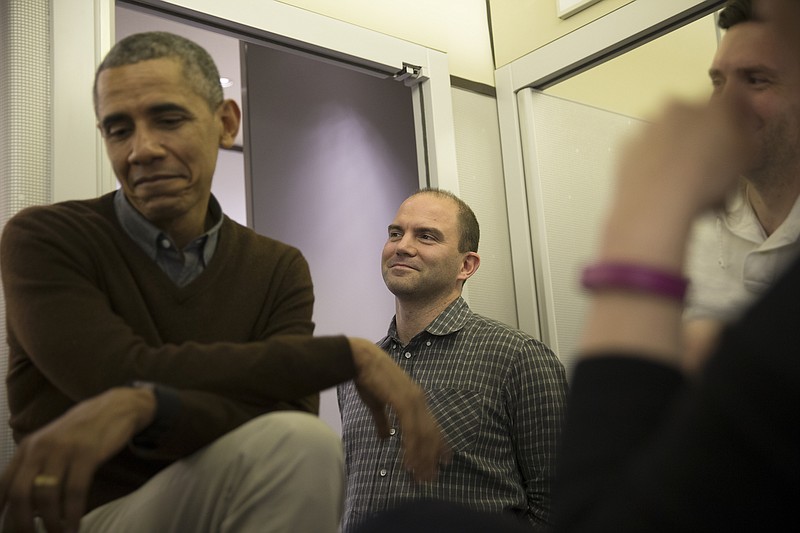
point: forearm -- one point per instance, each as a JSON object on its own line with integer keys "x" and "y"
{"x": 317, "y": 363}
{"x": 138, "y": 403}
{"x": 631, "y": 321}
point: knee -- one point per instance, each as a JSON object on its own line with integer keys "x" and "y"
{"x": 304, "y": 433}
{"x": 290, "y": 435}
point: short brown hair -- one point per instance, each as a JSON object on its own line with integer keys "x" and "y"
{"x": 467, "y": 221}
{"x": 734, "y": 12}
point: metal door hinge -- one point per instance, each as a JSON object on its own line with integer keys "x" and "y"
{"x": 410, "y": 75}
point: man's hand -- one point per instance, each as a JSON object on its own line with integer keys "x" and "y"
{"x": 381, "y": 383}
{"x": 689, "y": 159}
{"x": 52, "y": 471}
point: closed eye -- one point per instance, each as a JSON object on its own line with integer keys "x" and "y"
{"x": 757, "y": 80}
{"x": 759, "y": 76}
{"x": 171, "y": 121}
{"x": 117, "y": 131}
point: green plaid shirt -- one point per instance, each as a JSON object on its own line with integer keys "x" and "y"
{"x": 498, "y": 395}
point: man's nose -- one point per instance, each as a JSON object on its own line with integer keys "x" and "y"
{"x": 405, "y": 245}
{"x": 145, "y": 147}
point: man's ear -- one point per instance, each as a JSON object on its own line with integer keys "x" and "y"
{"x": 469, "y": 265}
{"x": 231, "y": 117}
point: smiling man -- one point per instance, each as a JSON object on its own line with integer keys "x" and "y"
{"x": 162, "y": 371}
{"x": 497, "y": 393}
{"x": 739, "y": 251}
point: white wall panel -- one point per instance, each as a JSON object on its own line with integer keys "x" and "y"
{"x": 480, "y": 176}
{"x": 25, "y": 142}
{"x": 570, "y": 151}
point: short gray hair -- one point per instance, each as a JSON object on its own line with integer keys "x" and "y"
{"x": 198, "y": 66}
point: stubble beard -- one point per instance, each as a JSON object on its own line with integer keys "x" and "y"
{"x": 401, "y": 286}
{"x": 779, "y": 163}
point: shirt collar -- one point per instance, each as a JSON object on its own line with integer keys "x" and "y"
{"x": 452, "y": 319}
{"x": 148, "y": 236}
{"x": 740, "y": 219}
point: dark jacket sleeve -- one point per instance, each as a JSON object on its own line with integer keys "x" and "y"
{"x": 645, "y": 451}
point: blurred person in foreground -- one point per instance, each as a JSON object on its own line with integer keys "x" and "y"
{"x": 645, "y": 449}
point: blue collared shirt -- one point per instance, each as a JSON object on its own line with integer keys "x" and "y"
{"x": 182, "y": 266}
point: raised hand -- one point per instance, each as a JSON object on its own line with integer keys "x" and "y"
{"x": 689, "y": 158}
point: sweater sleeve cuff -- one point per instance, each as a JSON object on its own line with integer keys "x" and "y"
{"x": 168, "y": 406}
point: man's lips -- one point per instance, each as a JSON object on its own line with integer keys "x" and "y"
{"x": 402, "y": 266}
{"x": 154, "y": 179}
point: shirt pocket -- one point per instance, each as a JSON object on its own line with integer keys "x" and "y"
{"x": 458, "y": 412}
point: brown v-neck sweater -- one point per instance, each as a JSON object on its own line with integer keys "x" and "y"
{"x": 87, "y": 310}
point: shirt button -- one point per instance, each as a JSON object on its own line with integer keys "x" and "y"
{"x": 428, "y": 343}
{"x": 407, "y": 355}
{"x": 383, "y": 472}
{"x": 392, "y": 431}
{"x": 165, "y": 243}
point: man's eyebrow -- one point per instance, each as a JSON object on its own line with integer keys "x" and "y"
{"x": 418, "y": 231}
{"x": 153, "y": 110}
{"x": 433, "y": 231}
{"x": 166, "y": 108}
{"x": 758, "y": 68}
{"x": 113, "y": 119}
{"x": 749, "y": 69}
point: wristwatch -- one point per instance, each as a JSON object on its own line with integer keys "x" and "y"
{"x": 167, "y": 407}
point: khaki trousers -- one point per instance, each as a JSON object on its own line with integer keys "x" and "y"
{"x": 281, "y": 472}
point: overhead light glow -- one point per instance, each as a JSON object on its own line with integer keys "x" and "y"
{"x": 226, "y": 82}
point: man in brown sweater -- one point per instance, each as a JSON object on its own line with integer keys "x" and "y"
{"x": 152, "y": 339}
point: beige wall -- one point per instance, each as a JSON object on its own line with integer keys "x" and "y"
{"x": 632, "y": 85}
{"x": 639, "y": 82}
{"x": 521, "y": 26}
{"x": 458, "y": 27}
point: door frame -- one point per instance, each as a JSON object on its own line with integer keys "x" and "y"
{"x": 83, "y": 32}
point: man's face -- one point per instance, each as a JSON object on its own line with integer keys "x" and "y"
{"x": 420, "y": 259}
{"x": 162, "y": 138}
{"x": 758, "y": 64}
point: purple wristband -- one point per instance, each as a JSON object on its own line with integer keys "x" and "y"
{"x": 637, "y": 278}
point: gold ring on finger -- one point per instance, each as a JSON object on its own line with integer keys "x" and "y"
{"x": 44, "y": 480}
